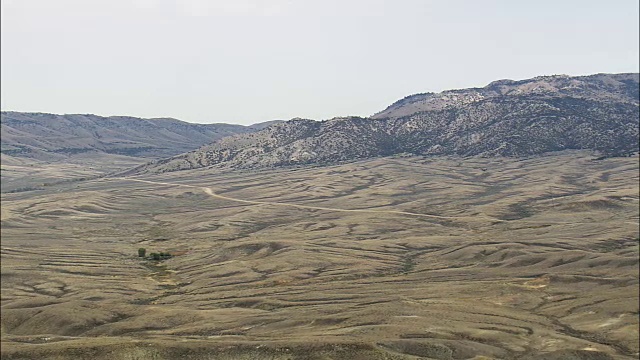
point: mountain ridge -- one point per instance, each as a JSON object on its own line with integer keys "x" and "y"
{"x": 505, "y": 118}
{"x": 567, "y": 87}
{"x": 53, "y": 137}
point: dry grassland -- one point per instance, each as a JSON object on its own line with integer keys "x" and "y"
{"x": 442, "y": 259}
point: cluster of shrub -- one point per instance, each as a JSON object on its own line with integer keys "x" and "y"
{"x": 142, "y": 252}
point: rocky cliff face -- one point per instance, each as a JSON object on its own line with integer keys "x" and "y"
{"x": 505, "y": 118}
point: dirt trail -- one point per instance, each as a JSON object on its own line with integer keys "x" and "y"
{"x": 210, "y": 192}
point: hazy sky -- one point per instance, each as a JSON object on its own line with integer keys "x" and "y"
{"x": 245, "y": 61}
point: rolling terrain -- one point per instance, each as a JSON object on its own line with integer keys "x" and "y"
{"x": 38, "y": 149}
{"x": 488, "y": 223}
{"x": 387, "y": 258}
{"x": 53, "y": 137}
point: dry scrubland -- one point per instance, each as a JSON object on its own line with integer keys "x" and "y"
{"x": 533, "y": 258}
{"x": 19, "y": 174}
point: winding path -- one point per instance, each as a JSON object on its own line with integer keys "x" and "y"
{"x": 210, "y": 192}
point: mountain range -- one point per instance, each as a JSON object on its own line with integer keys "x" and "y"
{"x": 599, "y": 113}
{"x": 506, "y": 118}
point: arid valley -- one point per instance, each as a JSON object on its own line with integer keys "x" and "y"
{"x": 397, "y": 257}
{"x": 320, "y": 180}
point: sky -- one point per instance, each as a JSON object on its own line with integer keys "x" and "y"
{"x": 247, "y": 61}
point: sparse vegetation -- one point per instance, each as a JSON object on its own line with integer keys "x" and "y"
{"x": 408, "y": 264}
{"x": 475, "y": 284}
{"x": 159, "y": 256}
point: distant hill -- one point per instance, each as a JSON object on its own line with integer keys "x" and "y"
{"x": 506, "y": 118}
{"x": 614, "y": 88}
{"x": 53, "y": 137}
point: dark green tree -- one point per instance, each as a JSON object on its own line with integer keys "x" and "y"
{"x": 142, "y": 252}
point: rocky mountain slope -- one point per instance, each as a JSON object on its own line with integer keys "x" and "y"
{"x": 53, "y": 137}
{"x": 618, "y": 88}
{"x": 505, "y": 118}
